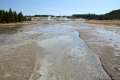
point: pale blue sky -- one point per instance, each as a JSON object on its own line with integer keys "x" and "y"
{"x": 60, "y": 7}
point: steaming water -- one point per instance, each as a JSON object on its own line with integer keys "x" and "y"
{"x": 66, "y": 56}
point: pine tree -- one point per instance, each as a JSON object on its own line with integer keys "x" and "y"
{"x": 20, "y": 17}
{"x": 11, "y": 16}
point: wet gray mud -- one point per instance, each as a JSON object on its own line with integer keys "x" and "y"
{"x": 105, "y": 42}
{"x": 65, "y": 56}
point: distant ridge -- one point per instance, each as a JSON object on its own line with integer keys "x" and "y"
{"x": 114, "y": 12}
{"x": 113, "y": 15}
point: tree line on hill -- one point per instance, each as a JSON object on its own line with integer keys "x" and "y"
{"x": 43, "y": 15}
{"x": 12, "y": 16}
{"x": 113, "y": 15}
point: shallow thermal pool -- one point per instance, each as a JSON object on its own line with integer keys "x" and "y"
{"x": 66, "y": 56}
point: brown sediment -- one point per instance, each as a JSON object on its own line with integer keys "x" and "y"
{"x": 11, "y": 27}
{"x": 19, "y": 64}
{"x": 17, "y": 23}
{"x": 105, "y": 69}
{"x": 104, "y": 22}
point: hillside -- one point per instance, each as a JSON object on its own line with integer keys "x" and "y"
{"x": 113, "y": 15}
